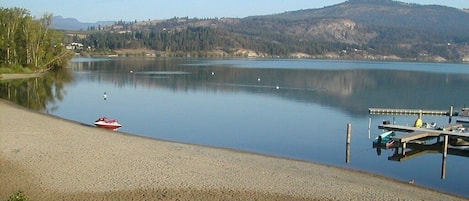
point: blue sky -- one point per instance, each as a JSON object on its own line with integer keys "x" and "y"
{"x": 129, "y": 10}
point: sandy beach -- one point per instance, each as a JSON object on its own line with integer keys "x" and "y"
{"x": 50, "y": 158}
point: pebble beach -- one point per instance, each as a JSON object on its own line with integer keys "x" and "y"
{"x": 50, "y": 158}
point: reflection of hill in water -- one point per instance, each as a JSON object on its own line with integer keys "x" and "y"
{"x": 356, "y": 90}
{"x": 353, "y": 91}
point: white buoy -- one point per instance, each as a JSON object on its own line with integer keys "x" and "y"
{"x": 258, "y": 79}
{"x": 131, "y": 71}
{"x": 213, "y": 73}
{"x": 277, "y": 87}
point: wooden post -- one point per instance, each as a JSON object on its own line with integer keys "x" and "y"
{"x": 443, "y": 168}
{"x": 445, "y": 153}
{"x": 404, "y": 147}
{"x": 347, "y": 144}
{"x": 445, "y": 146}
{"x": 349, "y": 132}
{"x": 369, "y": 128}
{"x": 451, "y": 111}
{"x": 347, "y": 153}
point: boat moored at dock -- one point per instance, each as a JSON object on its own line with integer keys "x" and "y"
{"x": 384, "y": 139}
{"x": 463, "y": 116}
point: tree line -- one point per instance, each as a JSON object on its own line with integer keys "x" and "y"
{"x": 201, "y": 40}
{"x": 28, "y": 44}
{"x": 188, "y": 38}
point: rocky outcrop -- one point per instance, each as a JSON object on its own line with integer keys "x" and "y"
{"x": 335, "y": 30}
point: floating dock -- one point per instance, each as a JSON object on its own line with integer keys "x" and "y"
{"x": 417, "y": 138}
{"x": 392, "y": 111}
{"x": 417, "y": 133}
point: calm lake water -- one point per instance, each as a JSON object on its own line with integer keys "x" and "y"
{"x": 297, "y": 109}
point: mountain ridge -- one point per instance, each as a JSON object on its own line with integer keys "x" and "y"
{"x": 72, "y": 24}
{"x": 364, "y": 29}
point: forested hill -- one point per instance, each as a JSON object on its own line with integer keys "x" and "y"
{"x": 440, "y": 20}
{"x": 355, "y": 29}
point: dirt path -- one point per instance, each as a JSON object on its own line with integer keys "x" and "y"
{"x": 19, "y": 76}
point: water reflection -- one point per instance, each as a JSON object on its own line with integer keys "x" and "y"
{"x": 351, "y": 90}
{"x": 39, "y": 93}
{"x": 414, "y": 150}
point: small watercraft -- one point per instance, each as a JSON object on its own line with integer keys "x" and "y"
{"x": 463, "y": 116}
{"x": 104, "y": 122}
{"x": 384, "y": 138}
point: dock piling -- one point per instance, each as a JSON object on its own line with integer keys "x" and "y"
{"x": 443, "y": 168}
{"x": 369, "y": 128}
{"x": 349, "y": 132}
{"x": 451, "y": 113}
{"x": 404, "y": 147}
{"x": 445, "y": 146}
{"x": 347, "y": 144}
{"x": 347, "y": 153}
{"x": 445, "y": 153}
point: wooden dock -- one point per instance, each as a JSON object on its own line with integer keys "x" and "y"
{"x": 414, "y": 135}
{"x": 422, "y": 133}
{"x": 390, "y": 111}
{"x": 418, "y": 133}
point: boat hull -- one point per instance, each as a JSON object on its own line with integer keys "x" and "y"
{"x": 108, "y": 126}
{"x": 463, "y": 116}
{"x": 103, "y": 122}
{"x": 463, "y": 120}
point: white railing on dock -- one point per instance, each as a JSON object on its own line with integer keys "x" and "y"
{"x": 411, "y": 112}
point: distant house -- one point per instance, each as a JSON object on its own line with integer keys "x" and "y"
{"x": 74, "y": 46}
{"x": 117, "y": 27}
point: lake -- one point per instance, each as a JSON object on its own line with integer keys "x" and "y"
{"x": 297, "y": 109}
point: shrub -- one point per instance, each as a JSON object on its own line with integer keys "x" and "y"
{"x": 19, "y": 196}
{"x": 14, "y": 69}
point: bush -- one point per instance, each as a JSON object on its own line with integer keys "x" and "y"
{"x": 14, "y": 69}
{"x": 19, "y": 196}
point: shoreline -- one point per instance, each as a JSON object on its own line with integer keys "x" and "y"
{"x": 14, "y": 76}
{"x": 51, "y": 158}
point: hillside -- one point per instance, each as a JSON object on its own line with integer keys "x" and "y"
{"x": 444, "y": 21}
{"x": 355, "y": 29}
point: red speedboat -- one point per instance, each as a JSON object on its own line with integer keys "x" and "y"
{"x": 104, "y": 122}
